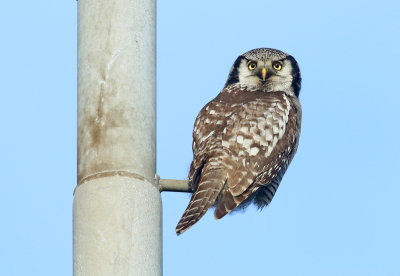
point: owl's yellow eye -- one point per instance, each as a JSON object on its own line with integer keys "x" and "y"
{"x": 277, "y": 66}
{"x": 252, "y": 65}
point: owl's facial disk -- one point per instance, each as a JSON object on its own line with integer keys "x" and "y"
{"x": 266, "y": 69}
{"x": 268, "y": 75}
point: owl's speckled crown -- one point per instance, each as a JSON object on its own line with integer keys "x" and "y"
{"x": 264, "y": 53}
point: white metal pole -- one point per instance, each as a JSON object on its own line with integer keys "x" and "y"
{"x": 117, "y": 205}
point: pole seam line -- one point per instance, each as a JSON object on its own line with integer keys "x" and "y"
{"x": 116, "y": 173}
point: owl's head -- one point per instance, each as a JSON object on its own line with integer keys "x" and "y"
{"x": 266, "y": 69}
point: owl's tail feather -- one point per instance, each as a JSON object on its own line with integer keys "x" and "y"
{"x": 228, "y": 202}
{"x": 211, "y": 183}
{"x": 225, "y": 205}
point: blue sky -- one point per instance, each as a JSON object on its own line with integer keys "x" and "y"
{"x": 337, "y": 209}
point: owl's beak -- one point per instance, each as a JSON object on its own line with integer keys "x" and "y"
{"x": 263, "y": 73}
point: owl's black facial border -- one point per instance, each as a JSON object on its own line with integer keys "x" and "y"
{"x": 296, "y": 83}
{"x": 234, "y": 74}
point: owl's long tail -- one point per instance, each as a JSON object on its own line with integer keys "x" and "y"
{"x": 210, "y": 185}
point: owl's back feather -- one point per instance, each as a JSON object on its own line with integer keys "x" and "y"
{"x": 242, "y": 143}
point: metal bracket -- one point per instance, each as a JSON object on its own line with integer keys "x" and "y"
{"x": 172, "y": 185}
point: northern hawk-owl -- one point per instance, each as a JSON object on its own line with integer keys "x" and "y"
{"x": 245, "y": 138}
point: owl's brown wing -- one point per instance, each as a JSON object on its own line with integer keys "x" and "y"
{"x": 236, "y": 139}
{"x": 206, "y": 175}
{"x": 270, "y": 177}
{"x": 266, "y": 139}
{"x": 208, "y": 126}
